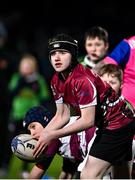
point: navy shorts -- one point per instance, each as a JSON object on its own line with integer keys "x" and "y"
{"x": 114, "y": 146}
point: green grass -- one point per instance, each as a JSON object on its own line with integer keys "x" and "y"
{"x": 15, "y": 168}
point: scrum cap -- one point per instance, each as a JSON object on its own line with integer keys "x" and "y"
{"x": 63, "y": 42}
{"x": 37, "y": 114}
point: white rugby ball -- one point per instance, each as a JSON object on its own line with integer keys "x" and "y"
{"x": 22, "y": 146}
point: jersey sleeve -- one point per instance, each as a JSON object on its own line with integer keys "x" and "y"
{"x": 120, "y": 54}
{"x": 56, "y": 90}
{"x": 86, "y": 93}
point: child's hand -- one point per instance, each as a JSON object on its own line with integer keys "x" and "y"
{"x": 44, "y": 140}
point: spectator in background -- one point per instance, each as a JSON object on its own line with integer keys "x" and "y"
{"x": 27, "y": 88}
{"x": 96, "y": 45}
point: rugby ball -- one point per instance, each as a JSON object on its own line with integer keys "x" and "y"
{"x": 22, "y": 146}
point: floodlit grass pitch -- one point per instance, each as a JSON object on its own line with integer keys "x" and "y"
{"x": 16, "y": 164}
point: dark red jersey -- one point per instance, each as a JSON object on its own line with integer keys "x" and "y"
{"x": 85, "y": 88}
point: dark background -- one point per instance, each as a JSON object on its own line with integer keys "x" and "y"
{"x": 30, "y": 24}
{"x": 35, "y": 21}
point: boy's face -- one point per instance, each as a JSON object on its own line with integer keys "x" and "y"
{"x": 96, "y": 48}
{"x": 112, "y": 80}
{"x": 60, "y": 60}
{"x": 35, "y": 128}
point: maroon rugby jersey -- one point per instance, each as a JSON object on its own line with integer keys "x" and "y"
{"x": 84, "y": 88}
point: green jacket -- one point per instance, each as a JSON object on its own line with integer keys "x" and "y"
{"x": 26, "y": 95}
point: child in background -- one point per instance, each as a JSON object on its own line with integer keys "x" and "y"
{"x": 96, "y": 45}
{"x": 27, "y": 88}
{"x": 113, "y": 75}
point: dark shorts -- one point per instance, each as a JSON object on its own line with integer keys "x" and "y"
{"x": 70, "y": 166}
{"x": 114, "y": 146}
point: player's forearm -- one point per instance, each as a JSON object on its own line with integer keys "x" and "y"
{"x": 75, "y": 127}
{"x": 61, "y": 117}
{"x": 87, "y": 120}
{"x": 57, "y": 122}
